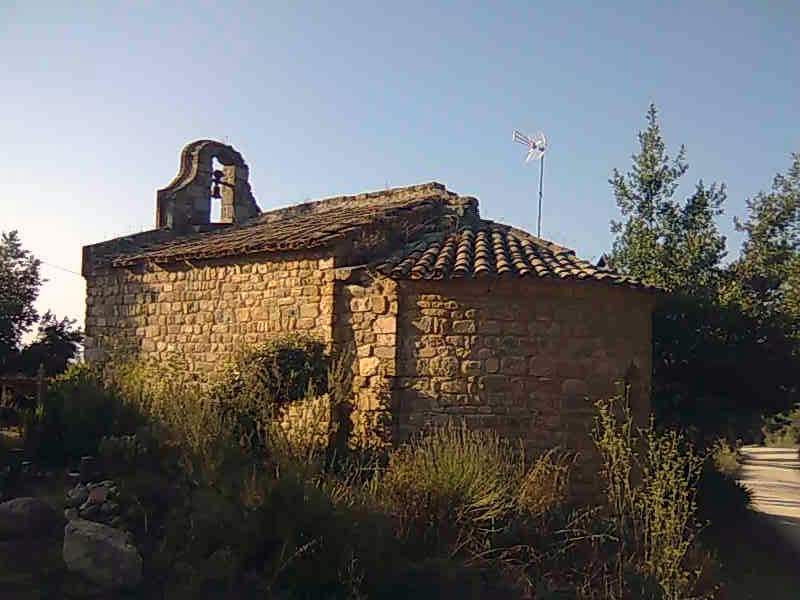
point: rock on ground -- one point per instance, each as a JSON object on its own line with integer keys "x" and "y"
{"x": 102, "y": 554}
{"x": 28, "y": 518}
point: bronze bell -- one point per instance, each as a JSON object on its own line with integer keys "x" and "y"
{"x": 215, "y": 191}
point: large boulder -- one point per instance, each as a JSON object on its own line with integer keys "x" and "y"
{"x": 28, "y": 518}
{"x": 102, "y": 554}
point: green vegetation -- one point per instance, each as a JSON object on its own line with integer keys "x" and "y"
{"x": 655, "y": 518}
{"x": 783, "y": 429}
{"x": 725, "y": 457}
{"x": 726, "y": 343}
{"x": 58, "y": 340}
{"x": 223, "y": 502}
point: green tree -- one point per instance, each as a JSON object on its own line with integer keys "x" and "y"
{"x": 19, "y": 287}
{"x": 662, "y": 241}
{"x": 768, "y": 270}
{"x": 57, "y": 344}
{"x": 717, "y": 368}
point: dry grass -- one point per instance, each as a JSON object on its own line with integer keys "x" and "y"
{"x": 655, "y": 519}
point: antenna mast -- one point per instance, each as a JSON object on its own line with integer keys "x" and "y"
{"x": 537, "y": 145}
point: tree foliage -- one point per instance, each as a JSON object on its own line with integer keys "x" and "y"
{"x": 723, "y": 351}
{"x": 58, "y": 341}
{"x": 57, "y": 344}
{"x": 19, "y": 287}
{"x": 674, "y": 245}
{"x": 768, "y": 271}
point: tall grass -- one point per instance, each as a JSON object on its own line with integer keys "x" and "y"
{"x": 651, "y": 482}
{"x": 452, "y": 486}
{"x": 667, "y": 510}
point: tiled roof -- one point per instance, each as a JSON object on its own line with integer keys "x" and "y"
{"x": 429, "y": 233}
{"x": 489, "y": 249}
{"x": 303, "y": 226}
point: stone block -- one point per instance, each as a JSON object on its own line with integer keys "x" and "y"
{"x": 461, "y": 327}
{"x": 454, "y": 386}
{"x": 494, "y": 383}
{"x": 471, "y": 367}
{"x": 427, "y": 352}
{"x": 513, "y": 366}
{"x": 386, "y": 324}
{"x": 368, "y": 366}
{"x": 386, "y": 339}
{"x": 379, "y": 304}
{"x": 423, "y": 324}
{"x": 384, "y": 351}
{"x": 309, "y": 311}
{"x": 541, "y": 366}
{"x": 446, "y": 366}
{"x": 359, "y": 304}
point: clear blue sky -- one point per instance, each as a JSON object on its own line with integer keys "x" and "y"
{"x": 341, "y": 97}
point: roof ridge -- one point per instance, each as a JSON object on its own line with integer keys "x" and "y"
{"x": 398, "y": 195}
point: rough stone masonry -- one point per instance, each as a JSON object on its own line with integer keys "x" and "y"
{"x": 445, "y": 315}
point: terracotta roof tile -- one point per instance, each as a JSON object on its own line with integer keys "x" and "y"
{"x": 488, "y": 249}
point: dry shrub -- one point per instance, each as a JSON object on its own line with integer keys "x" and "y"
{"x": 725, "y": 457}
{"x": 262, "y": 402}
{"x": 668, "y": 510}
{"x": 452, "y": 486}
{"x": 544, "y": 487}
{"x": 654, "y": 519}
{"x": 783, "y": 429}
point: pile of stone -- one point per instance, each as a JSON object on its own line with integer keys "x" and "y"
{"x": 96, "y": 501}
{"x": 95, "y": 544}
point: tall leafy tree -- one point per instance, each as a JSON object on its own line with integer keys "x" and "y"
{"x": 19, "y": 286}
{"x": 769, "y": 267}
{"x": 672, "y": 244}
{"x": 57, "y": 344}
{"x": 700, "y": 347}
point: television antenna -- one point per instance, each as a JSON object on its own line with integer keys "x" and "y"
{"x": 537, "y": 145}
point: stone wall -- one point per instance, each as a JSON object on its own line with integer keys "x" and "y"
{"x": 525, "y": 358}
{"x": 366, "y": 331}
{"x": 208, "y": 309}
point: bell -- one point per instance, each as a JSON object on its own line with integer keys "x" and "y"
{"x": 215, "y": 191}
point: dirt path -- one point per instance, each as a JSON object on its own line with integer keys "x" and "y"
{"x": 773, "y": 475}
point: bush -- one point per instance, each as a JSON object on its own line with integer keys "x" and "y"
{"x": 725, "y": 457}
{"x": 278, "y": 371}
{"x": 223, "y": 503}
{"x": 544, "y": 487}
{"x": 76, "y": 412}
{"x": 452, "y": 485}
{"x": 783, "y": 429}
{"x": 668, "y": 510}
{"x": 655, "y": 520}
